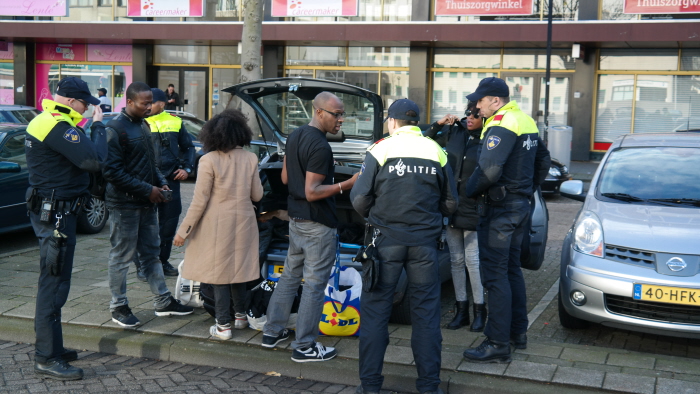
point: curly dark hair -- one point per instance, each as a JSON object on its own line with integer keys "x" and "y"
{"x": 226, "y": 131}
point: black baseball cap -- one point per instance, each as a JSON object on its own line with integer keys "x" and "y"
{"x": 491, "y": 86}
{"x": 158, "y": 95}
{"x": 103, "y": 90}
{"x": 398, "y": 109}
{"x": 76, "y": 88}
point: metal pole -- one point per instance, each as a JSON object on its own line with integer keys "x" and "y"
{"x": 546, "y": 76}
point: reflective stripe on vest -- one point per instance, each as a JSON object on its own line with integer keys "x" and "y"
{"x": 512, "y": 118}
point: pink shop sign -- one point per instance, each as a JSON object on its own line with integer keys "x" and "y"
{"x": 109, "y": 53}
{"x": 34, "y": 7}
{"x": 9, "y": 54}
{"x": 61, "y": 52}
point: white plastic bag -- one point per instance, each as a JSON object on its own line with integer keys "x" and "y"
{"x": 187, "y": 291}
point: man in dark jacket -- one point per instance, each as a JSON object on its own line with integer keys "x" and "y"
{"x": 172, "y": 140}
{"x": 405, "y": 188}
{"x": 512, "y": 162}
{"x": 135, "y": 187}
{"x": 460, "y": 138}
{"x": 59, "y": 158}
{"x": 173, "y": 102}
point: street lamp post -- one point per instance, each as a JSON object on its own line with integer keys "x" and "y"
{"x": 547, "y": 73}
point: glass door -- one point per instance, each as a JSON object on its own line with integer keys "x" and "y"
{"x": 191, "y": 84}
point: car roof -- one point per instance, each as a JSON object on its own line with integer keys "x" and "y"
{"x": 15, "y": 107}
{"x": 12, "y": 127}
{"x": 659, "y": 139}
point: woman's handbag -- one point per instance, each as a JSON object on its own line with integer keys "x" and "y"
{"x": 369, "y": 258}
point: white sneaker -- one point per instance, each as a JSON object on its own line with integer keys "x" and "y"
{"x": 241, "y": 321}
{"x": 220, "y": 331}
{"x": 317, "y": 352}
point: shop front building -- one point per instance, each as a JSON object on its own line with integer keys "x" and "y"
{"x": 612, "y": 71}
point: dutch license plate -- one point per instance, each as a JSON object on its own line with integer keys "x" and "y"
{"x": 666, "y": 294}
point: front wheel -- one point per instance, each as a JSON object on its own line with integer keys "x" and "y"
{"x": 94, "y": 217}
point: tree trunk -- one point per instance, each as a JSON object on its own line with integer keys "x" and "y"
{"x": 251, "y": 49}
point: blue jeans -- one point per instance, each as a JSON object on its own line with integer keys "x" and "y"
{"x": 311, "y": 255}
{"x": 422, "y": 270}
{"x": 168, "y": 216}
{"x": 52, "y": 291}
{"x": 133, "y": 230}
{"x": 500, "y": 235}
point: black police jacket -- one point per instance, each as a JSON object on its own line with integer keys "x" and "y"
{"x": 462, "y": 148}
{"x": 131, "y": 163}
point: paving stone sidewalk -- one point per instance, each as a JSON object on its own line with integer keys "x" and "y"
{"x": 118, "y": 374}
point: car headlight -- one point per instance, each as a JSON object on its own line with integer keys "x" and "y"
{"x": 197, "y": 149}
{"x": 565, "y": 169}
{"x": 588, "y": 235}
{"x": 554, "y": 171}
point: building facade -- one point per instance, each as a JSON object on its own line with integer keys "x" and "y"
{"x": 634, "y": 73}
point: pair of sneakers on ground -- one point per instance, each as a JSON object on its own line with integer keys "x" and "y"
{"x": 123, "y": 316}
{"x": 223, "y": 331}
{"x": 316, "y": 352}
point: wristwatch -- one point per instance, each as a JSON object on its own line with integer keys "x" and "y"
{"x": 188, "y": 170}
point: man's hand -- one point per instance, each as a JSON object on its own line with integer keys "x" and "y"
{"x": 97, "y": 114}
{"x": 155, "y": 197}
{"x": 180, "y": 175}
{"x": 448, "y": 119}
{"x": 178, "y": 241}
{"x": 165, "y": 187}
{"x": 347, "y": 185}
{"x": 171, "y": 101}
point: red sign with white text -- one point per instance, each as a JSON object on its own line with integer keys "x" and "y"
{"x": 292, "y": 8}
{"x": 483, "y": 7}
{"x": 661, "y": 6}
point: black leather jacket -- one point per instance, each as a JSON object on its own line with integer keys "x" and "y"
{"x": 462, "y": 148}
{"x": 131, "y": 163}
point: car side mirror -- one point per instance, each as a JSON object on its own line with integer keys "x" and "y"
{"x": 7, "y": 166}
{"x": 340, "y": 137}
{"x": 573, "y": 190}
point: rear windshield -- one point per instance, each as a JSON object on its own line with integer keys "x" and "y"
{"x": 289, "y": 111}
{"x": 652, "y": 173}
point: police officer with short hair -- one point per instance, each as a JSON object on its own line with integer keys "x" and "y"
{"x": 405, "y": 188}
{"x": 172, "y": 139}
{"x": 59, "y": 157}
{"x": 513, "y": 161}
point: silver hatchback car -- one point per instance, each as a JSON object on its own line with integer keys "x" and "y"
{"x": 632, "y": 258}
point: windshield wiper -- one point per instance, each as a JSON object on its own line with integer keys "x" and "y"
{"x": 679, "y": 201}
{"x": 623, "y": 197}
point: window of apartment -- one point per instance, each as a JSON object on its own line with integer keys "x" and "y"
{"x": 453, "y": 97}
{"x": 690, "y": 60}
{"x": 437, "y": 96}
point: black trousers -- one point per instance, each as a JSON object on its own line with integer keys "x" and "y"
{"x": 52, "y": 291}
{"x": 224, "y": 295}
{"x": 500, "y": 235}
{"x": 422, "y": 270}
{"x": 168, "y": 216}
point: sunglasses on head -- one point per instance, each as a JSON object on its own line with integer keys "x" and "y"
{"x": 472, "y": 112}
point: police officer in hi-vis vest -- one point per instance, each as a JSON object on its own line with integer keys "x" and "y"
{"x": 172, "y": 141}
{"x": 59, "y": 157}
{"x": 513, "y": 161}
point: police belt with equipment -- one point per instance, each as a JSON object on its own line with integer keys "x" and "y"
{"x": 48, "y": 207}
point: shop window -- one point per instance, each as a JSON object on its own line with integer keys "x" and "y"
{"x": 620, "y": 93}
{"x": 556, "y": 103}
{"x": 536, "y": 59}
{"x": 690, "y": 60}
{"x": 225, "y": 55}
{"x": 300, "y": 73}
{"x": 468, "y": 58}
{"x": 636, "y": 59}
{"x": 367, "y": 56}
{"x": 399, "y": 90}
{"x": 80, "y": 3}
{"x": 180, "y": 54}
{"x": 363, "y": 79}
{"x": 221, "y": 79}
{"x": 614, "y": 110}
{"x": 453, "y": 104}
{"x": 315, "y": 56}
{"x": 7, "y": 84}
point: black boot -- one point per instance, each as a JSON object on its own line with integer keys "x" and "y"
{"x": 461, "y": 318}
{"x": 519, "y": 341}
{"x": 480, "y": 315}
{"x": 489, "y": 352}
{"x": 59, "y": 370}
{"x": 169, "y": 270}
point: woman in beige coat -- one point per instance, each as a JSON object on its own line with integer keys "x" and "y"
{"x": 220, "y": 223}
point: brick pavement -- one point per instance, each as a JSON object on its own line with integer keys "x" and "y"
{"x": 117, "y": 374}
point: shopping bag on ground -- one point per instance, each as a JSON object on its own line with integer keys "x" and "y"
{"x": 341, "y": 306}
{"x": 259, "y": 300}
{"x": 187, "y": 291}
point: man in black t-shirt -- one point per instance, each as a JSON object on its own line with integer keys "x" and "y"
{"x": 308, "y": 171}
